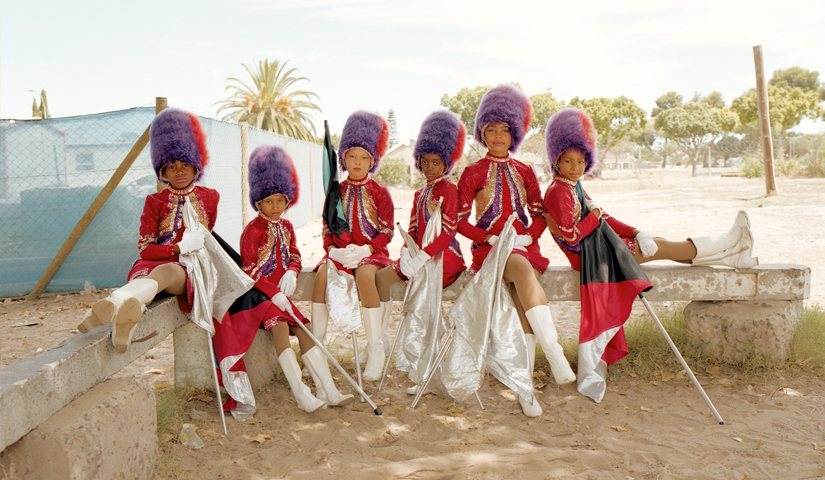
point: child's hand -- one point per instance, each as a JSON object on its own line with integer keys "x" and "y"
{"x": 646, "y": 244}
{"x": 355, "y": 253}
{"x": 492, "y": 239}
{"x": 414, "y": 264}
{"x": 288, "y": 282}
{"x": 281, "y": 301}
{"x": 591, "y": 205}
{"x": 338, "y": 254}
{"x": 191, "y": 240}
{"x": 522, "y": 241}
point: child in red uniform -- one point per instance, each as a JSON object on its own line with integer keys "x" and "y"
{"x": 179, "y": 156}
{"x": 499, "y": 186}
{"x": 439, "y": 146}
{"x": 369, "y": 210}
{"x": 269, "y": 254}
{"x": 571, "y": 147}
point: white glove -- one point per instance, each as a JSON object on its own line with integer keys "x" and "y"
{"x": 288, "y": 282}
{"x": 281, "y": 302}
{"x": 404, "y": 262}
{"x": 493, "y": 239}
{"x": 355, "y": 253}
{"x": 522, "y": 241}
{"x": 338, "y": 254}
{"x": 646, "y": 244}
{"x": 191, "y": 240}
{"x": 415, "y": 264}
{"x": 591, "y": 205}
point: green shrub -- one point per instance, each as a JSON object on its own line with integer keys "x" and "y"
{"x": 393, "y": 172}
{"x": 814, "y": 164}
{"x": 752, "y": 167}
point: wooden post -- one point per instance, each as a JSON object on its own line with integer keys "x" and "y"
{"x": 160, "y": 105}
{"x": 87, "y": 218}
{"x": 246, "y": 208}
{"x": 764, "y": 121}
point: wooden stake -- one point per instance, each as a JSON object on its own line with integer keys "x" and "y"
{"x": 160, "y": 105}
{"x": 764, "y": 121}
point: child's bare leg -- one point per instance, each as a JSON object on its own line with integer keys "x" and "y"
{"x": 531, "y": 296}
{"x": 367, "y": 290}
{"x": 525, "y": 325}
{"x": 371, "y": 316}
{"x": 383, "y": 281}
{"x": 280, "y": 337}
{"x": 171, "y": 278}
{"x": 303, "y": 339}
{"x": 520, "y": 272}
{"x": 319, "y": 289}
{"x": 681, "y": 252}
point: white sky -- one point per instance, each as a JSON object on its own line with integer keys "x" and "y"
{"x": 94, "y": 56}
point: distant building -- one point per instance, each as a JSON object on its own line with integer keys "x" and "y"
{"x": 617, "y": 161}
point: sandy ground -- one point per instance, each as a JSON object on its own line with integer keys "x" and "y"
{"x": 658, "y": 429}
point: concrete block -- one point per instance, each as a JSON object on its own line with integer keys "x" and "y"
{"x": 108, "y": 432}
{"x": 729, "y": 328}
{"x": 193, "y": 369}
{"x": 34, "y": 389}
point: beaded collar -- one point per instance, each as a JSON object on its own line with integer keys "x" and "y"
{"x": 435, "y": 180}
{"x": 268, "y": 219}
{"x": 496, "y": 159}
{"x": 564, "y": 180}
{"x": 358, "y": 183}
{"x": 185, "y": 191}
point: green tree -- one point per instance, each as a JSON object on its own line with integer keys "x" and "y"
{"x": 787, "y": 107}
{"x": 544, "y": 106}
{"x": 694, "y": 126}
{"x": 614, "y": 118}
{"x": 668, "y": 100}
{"x": 465, "y": 104}
{"x": 807, "y": 80}
{"x": 41, "y": 110}
{"x": 268, "y": 104}
{"x": 393, "y": 128}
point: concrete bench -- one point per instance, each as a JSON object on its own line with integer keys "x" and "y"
{"x": 730, "y": 309}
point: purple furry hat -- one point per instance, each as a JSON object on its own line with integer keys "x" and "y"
{"x": 368, "y": 131}
{"x": 271, "y": 171}
{"x": 572, "y": 128}
{"x": 443, "y": 133}
{"x": 505, "y": 104}
{"x": 176, "y": 135}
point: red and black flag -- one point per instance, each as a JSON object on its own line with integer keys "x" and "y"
{"x": 333, "y": 213}
{"x": 611, "y": 278}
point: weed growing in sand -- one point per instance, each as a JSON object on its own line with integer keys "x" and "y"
{"x": 807, "y": 352}
{"x": 171, "y": 410}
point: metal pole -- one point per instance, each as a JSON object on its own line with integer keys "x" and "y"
{"x": 681, "y": 360}
{"x": 215, "y": 376}
{"x": 357, "y": 362}
{"x": 392, "y": 349}
{"x": 434, "y": 368}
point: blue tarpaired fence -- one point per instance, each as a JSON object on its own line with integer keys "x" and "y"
{"x": 52, "y": 170}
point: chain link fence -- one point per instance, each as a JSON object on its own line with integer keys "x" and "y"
{"x": 52, "y": 170}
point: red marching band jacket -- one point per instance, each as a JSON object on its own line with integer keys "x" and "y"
{"x": 500, "y": 186}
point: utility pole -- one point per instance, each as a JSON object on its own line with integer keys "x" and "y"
{"x": 764, "y": 121}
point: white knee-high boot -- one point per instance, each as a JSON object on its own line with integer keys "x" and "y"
{"x": 386, "y": 310}
{"x": 732, "y": 249}
{"x": 541, "y": 321}
{"x": 320, "y": 318}
{"x": 326, "y": 391}
{"x": 124, "y": 306}
{"x": 303, "y": 396}
{"x": 375, "y": 345}
{"x": 530, "y": 409}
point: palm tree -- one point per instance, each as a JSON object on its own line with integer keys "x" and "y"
{"x": 268, "y": 105}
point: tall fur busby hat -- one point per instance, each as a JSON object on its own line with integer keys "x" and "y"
{"x": 572, "y": 128}
{"x": 443, "y": 133}
{"x": 176, "y": 135}
{"x": 504, "y": 104}
{"x": 272, "y": 171}
{"x": 368, "y": 131}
